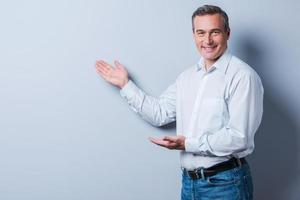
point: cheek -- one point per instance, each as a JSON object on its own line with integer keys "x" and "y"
{"x": 198, "y": 43}
{"x": 222, "y": 40}
{"x": 199, "y": 46}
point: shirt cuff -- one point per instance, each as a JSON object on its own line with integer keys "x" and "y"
{"x": 129, "y": 90}
{"x": 191, "y": 145}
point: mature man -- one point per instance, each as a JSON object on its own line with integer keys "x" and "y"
{"x": 218, "y": 106}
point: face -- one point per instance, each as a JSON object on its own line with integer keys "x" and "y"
{"x": 210, "y": 37}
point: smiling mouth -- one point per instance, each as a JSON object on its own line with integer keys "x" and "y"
{"x": 209, "y": 49}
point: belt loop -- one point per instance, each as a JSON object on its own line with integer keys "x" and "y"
{"x": 239, "y": 162}
{"x": 202, "y": 173}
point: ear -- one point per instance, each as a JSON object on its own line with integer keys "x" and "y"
{"x": 228, "y": 34}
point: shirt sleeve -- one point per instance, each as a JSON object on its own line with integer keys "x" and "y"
{"x": 157, "y": 111}
{"x": 245, "y": 108}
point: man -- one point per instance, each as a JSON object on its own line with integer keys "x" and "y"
{"x": 217, "y": 105}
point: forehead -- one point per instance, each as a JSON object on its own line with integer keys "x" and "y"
{"x": 207, "y": 22}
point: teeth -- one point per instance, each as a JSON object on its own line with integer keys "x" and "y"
{"x": 209, "y": 49}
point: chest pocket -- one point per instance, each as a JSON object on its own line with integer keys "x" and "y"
{"x": 211, "y": 117}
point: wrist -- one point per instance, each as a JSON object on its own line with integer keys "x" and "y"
{"x": 123, "y": 83}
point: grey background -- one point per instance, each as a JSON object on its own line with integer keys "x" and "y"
{"x": 66, "y": 134}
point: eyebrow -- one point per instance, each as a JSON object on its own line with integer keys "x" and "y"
{"x": 215, "y": 29}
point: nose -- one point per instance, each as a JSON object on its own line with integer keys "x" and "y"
{"x": 208, "y": 39}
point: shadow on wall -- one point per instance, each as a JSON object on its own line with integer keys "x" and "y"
{"x": 274, "y": 161}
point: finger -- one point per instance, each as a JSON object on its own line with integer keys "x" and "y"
{"x": 155, "y": 140}
{"x": 163, "y": 145}
{"x": 104, "y": 68}
{"x": 159, "y": 142}
{"x": 102, "y": 62}
{"x": 105, "y": 77}
{"x": 102, "y": 71}
{"x": 173, "y": 146}
{"x": 169, "y": 145}
{"x": 104, "y": 65}
{"x": 170, "y": 138}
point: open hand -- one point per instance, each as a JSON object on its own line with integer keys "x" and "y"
{"x": 117, "y": 76}
{"x": 170, "y": 142}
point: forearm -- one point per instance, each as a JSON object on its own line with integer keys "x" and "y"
{"x": 157, "y": 111}
{"x": 224, "y": 142}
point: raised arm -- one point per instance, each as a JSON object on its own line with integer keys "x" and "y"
{"x": 157, "y": 111}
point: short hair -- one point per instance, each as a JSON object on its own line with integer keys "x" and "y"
{"x": 210, "y": 10}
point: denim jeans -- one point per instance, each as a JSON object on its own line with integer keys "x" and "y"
{"x": 234, "y": 184}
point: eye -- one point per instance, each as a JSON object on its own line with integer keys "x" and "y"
{"x": 216, "y": 32}
{"x": 200, "y": 34}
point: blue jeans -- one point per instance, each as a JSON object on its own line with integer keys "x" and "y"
{"x": 234, "y": 184}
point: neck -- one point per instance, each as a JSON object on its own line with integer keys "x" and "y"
{"x": 208, "y": 64}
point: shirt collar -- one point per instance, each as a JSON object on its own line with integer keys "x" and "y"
{"x": 221, "y": 63}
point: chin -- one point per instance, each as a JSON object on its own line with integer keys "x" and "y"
{"x": 210, "y": 56}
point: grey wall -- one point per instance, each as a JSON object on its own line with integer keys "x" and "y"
{"x": 66, "y": 134}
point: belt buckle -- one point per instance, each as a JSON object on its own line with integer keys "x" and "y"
{"x": 195, "y": 173}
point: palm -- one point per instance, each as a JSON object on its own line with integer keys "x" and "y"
{"x": 117, "y": 76}
{"x": 170, "y": 142}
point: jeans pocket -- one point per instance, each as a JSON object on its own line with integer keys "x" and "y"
{"x": 222, "y": 179}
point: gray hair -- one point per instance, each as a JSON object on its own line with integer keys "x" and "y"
{"x": 210, "y": 10}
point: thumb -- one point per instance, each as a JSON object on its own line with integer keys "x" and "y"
{"x": 169, "y": 138}
{"x": 118, "y": 64}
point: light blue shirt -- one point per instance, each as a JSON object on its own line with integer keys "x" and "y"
{"x": 218, "y": 111}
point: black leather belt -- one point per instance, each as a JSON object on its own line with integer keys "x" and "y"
{"x": 213, "y": 170}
